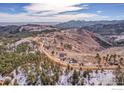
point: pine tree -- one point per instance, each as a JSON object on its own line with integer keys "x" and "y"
{"x": 121, "y": 61}
{"x": 98, "y": 58}
{"x": 75, "y": 77}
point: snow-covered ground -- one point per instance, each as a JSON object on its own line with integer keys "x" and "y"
{"x": 20, "y": 77}
{"x": 121, "y": 37}
{"x": 1, "y": 77}
{"x": 100, "y": 78}
{"x": 117, "y": 37}
{"x": 96, "y": 78}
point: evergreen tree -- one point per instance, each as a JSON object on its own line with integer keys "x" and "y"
{"x": 75, "y": 77}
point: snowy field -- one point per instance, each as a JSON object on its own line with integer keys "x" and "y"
{"x": 94, "y": 78}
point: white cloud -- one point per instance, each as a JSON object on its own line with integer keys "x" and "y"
{"x": 40, "y": 12}
{"x": 58, "y": 18}
{"x": 22, "y": 17}
{"x": 99, "y": 11}
{"x": 52, "y": 8}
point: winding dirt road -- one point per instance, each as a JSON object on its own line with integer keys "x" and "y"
{"x": 63, "y": 64}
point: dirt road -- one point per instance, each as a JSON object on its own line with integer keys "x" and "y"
{"x": 63, "y": 64}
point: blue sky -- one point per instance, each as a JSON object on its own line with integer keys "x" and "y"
{"x": 59, "y": 12}
{"x": 12, "y": 8}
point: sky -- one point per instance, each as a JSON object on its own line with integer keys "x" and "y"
{"x": 60, "y": 11}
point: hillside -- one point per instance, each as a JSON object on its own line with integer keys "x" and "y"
{"x": 75, "y": 56}
{"x": 80, "y": 40}
{"x": 13, "y": 29}
{"x": 114, "y": 33}
{"x": 110, "y": 29}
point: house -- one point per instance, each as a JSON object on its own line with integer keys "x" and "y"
{"x": 62, "y": 55}
{"x": 72, "y": 60}
{"x": 113, "y": 62}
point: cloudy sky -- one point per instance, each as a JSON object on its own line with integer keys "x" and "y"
{"x": 59, "y": 11}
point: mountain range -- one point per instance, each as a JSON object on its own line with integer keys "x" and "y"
{"x": 110, "y": 32}
{"x": 78, "y": 23}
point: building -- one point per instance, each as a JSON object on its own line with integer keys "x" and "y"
{"x": 62, "y": 55}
